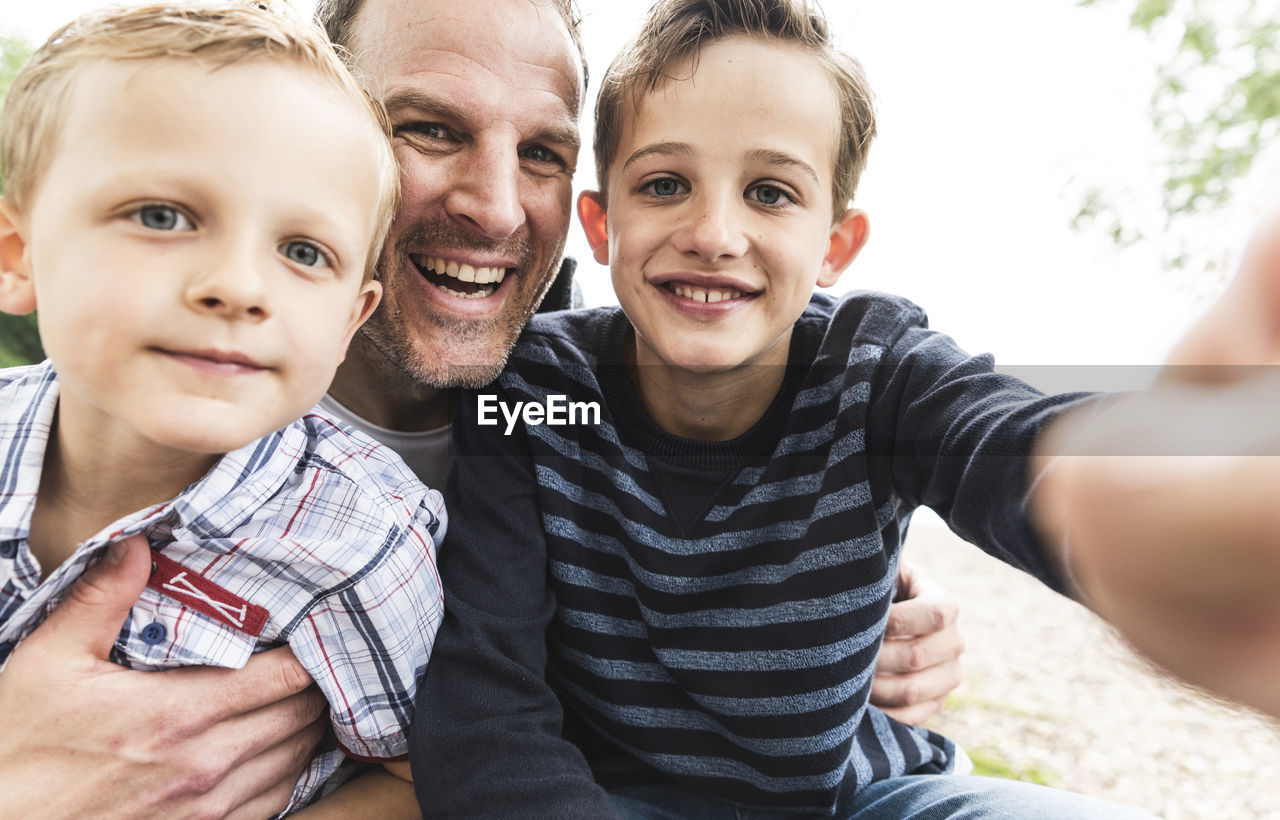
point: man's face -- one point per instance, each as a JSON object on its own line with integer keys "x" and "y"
{"x": 483, "y": 99}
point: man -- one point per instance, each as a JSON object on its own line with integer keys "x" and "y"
{"x": 484, "y": 99}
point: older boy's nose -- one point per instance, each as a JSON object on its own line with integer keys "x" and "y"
{"x": 485, "y": 192}
{"x": 712, "y": 230}
{"x": 233, "y": 287}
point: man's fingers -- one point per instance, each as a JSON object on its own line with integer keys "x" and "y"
{"x": 88, "y": 620}
{"x": 271, "y": 775}
{"x": 907, "y": 655}
{"x": 266, "y": 680}
{"x": 923, "y": 615}
{"x": 917, "y": 714}
{"x": 903, "y": 691}
{"x": 243, "y": 737}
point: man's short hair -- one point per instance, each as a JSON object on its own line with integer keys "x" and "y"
{"x": 217, "y": 33}
{"x": 679, "y": 29}
{"x": 338, "y": 19}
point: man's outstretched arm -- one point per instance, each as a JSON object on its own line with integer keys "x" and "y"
{"x": 84, "y": 736}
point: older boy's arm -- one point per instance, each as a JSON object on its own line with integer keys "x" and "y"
{"x": 380, "y": 794}
{"x": 1165, "y": 505}
{"x": 83, "y": 736}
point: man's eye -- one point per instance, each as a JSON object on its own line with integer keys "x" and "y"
{"x": 162, "y": 218}
{"x": 430, "y": 130}
{"x": 664, "y": 187}
{"x": 304, "y": 253}
{"x": 539, "y": 153}
{"x": 769, "y": 195}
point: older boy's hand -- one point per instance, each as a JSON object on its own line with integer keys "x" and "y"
{"x": 86, "y": 737}
{"x": 919, "y": 661}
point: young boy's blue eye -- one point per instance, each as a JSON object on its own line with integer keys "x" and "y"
{"x": 162, "y": 218}
{"x": 303, "y": 253}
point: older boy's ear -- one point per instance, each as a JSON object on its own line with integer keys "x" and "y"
{"x": 17, "y": 291}
{"x": 366, "y": 302}
{"x": 591, "y": 214}
{"x": 847, "y": 238}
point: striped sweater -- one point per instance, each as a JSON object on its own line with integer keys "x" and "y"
{"x": 712, "y": 610}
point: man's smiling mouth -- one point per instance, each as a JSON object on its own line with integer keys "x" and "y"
{"x": 456, "y": 279}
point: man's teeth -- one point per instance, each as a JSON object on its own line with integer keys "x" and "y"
{"x": 700, "y": 295}
{"x": 463, "y": 273}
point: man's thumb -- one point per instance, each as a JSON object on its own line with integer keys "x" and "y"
{"x": 90, "y": 617}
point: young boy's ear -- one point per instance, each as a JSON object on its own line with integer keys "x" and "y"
{"x": 595, "y": 224}
{"x": 366, "y": 302}
{"x": 847, "y": 238}
{"x": 17, "y": 291}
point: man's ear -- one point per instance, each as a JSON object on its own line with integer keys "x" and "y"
{"x": 595, "y": 224}
{"x": 847, "y": 238}
{"x": 17, "y": 291}
{"x": 366, "y": 302}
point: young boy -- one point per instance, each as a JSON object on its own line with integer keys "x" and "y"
{"x": 720, "y": 546}
{"x": 195, "y": 199}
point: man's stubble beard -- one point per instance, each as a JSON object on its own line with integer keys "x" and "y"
{"x": 495, "y": 336}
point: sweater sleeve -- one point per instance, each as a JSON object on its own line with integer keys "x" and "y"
{"x": 960, "y": 436}
{"x": 486, "y": 738}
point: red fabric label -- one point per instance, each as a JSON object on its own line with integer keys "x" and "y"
{"x": 199, "y": 593}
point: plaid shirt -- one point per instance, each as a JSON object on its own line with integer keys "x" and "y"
{"x": 318, "y": 530}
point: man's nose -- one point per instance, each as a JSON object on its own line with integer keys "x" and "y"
{"x": 486, "y": 191}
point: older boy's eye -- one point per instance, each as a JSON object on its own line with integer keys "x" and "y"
{"x": 666, "y": 186}
{"x": 162, "y": 218}
{"x": 769, "y": 195}
{"x": 304, "y": 253}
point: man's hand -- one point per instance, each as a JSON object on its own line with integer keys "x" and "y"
{"x": 919, "y": 662}
{"x": 83, "y": 736}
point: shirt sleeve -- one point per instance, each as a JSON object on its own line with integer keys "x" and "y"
{"x": 961, "y": 436}
{"x": 487, "y": 737}
{"x": 367, "y": 642}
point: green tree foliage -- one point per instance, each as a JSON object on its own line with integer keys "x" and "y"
{"x": 19, "y": 340}
{"x": 1215, "y": 107}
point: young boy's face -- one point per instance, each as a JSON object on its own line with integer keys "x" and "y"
{"x": 196, "y": 248}
{"x": 718, "y": 221}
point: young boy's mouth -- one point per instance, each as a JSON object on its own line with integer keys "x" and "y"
{"x": 458, "y": 279}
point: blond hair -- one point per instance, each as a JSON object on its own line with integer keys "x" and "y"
{"x": 218, "y": 33}
{"x": 676, "y": 30}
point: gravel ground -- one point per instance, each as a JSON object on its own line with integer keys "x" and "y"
{"x": 1050, "y": 689}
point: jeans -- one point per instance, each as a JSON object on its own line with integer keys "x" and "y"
{"x": 915, "y": 797}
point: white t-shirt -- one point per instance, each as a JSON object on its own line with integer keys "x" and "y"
{"x": 429, "y": 453}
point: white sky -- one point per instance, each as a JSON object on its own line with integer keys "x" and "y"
{"x": 994, "y": 114}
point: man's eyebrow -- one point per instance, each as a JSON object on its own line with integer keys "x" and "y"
{"x": 660, "y": 149}
{"x": 423, "y": 104}
{"x": 769, "y": 156}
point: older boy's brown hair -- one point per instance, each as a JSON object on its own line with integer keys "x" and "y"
{"x": 679, "y": 29}
{"x": 219, "y": 33}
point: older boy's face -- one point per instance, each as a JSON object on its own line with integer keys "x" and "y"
{"x": 719, "y": 206}
{"x": 198, "y": 246}
{"x": 483, "y": 99}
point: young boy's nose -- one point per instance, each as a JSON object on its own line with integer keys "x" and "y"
{"x": 232, "y": 286}
{"x": 712, "y": 229}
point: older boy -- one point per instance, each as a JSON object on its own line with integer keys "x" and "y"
{"x": 722, "y": 542}
{"x": 196, "y": 198}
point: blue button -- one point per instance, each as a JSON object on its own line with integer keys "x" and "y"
{"x": 8, "y": 549}
{"x": 153, "y": 633}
